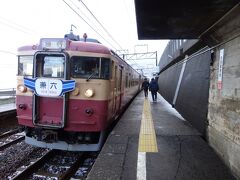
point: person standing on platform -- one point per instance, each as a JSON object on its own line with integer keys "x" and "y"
{"x": 153, "y": 87}
{"x": 145, "y": 86}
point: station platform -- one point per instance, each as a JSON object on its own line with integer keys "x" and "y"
{"x": 7, "y": 107}
{"x": 152, "y": 141}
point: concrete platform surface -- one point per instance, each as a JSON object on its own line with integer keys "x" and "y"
{"x": 7, "y": 107}
{"x": 182, "y": 153}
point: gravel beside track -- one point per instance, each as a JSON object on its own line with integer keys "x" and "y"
{"x": 16, "y": 156}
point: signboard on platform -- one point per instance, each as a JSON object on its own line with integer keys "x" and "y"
{"x": 220, "y": 69}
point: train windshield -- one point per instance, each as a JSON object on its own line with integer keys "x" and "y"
{"x": 25, "y": 65}
{"x": 90, "y": 67}
{"x": 50, "y": 65}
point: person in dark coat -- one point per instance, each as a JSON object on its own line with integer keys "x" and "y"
{"x": 153, "y": 87}
{"x": 145, "y": 86}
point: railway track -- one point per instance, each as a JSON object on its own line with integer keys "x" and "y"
{"x": 9, "y": 138}
{"x": 8, "y": 133}
{"x": 8, "y": 113}
{"x": 57, "y": 165}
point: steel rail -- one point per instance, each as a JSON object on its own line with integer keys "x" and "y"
{"x": 74, "y": 167}
{"x": 9, "y": 133}
{"x": 15, "y": 141}
{"x": 33, "y": 167}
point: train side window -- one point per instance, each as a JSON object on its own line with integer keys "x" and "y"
{"x": 25, "y": 65}
{"x": 126, "y": 81}
{"x": 130, "y": 80}
{"x": 83, "y": 67}
{"x": 105, "y": 68}
{"x": 112, "y": 69}
{"x": 115, "y": 76}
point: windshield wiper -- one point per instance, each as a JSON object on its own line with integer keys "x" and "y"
{"x": 91, "y": 75}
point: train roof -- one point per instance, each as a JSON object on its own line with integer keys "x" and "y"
{"x": 66, "y": 44}
{"x": 93, "y": 46}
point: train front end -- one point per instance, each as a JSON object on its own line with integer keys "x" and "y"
{"x": 63, "y": 94}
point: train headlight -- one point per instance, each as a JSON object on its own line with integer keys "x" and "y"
{"x": 21, "y": 88}
{"x": 89, "y": 93}
{"x": 76, "y": 92}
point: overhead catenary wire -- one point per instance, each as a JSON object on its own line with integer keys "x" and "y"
{"x": 100, "y": 23}
{"x": 87, "y": 18}
{"x": 91, "y": 26}
{"x": 7, "y": 52}
{"x": 82, "y": 13}
{"x": 130, "y": 18}
{"x": 88, "y": 23}
{"x": 15, "y": 27}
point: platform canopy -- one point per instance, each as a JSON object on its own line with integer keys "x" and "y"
{"x": 178, "y": 19}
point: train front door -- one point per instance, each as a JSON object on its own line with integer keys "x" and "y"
{"x": 49, "y": 104}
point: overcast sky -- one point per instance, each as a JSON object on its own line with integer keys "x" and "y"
{"x": 24, "y": 22}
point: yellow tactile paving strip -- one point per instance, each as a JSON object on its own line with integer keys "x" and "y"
{"x": 147, "y": 136}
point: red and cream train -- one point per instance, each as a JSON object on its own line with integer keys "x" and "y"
{"x": 70, "y": 91}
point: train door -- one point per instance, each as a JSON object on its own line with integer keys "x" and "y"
{"x": 115, "y": 90}
{"x": 49, "y": 107}
{"x": 120, "y": 86}
{"x": 139, "y": 82}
